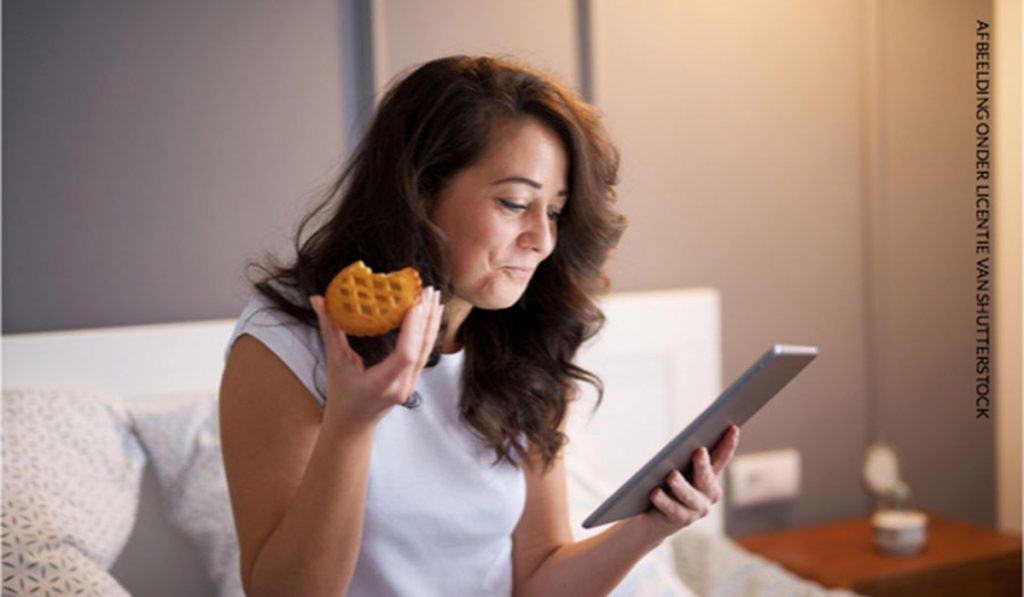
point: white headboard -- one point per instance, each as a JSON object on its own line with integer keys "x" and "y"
{"x": 129, "y": 360}
{"x": 660, "y": 359}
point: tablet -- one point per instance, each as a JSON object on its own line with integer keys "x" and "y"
{"x": 780, "y": 364}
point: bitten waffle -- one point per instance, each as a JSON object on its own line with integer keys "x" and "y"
{"x": 363, "y": 303}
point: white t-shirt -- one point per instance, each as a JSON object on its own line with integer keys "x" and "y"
{"x": 439, "y": 512}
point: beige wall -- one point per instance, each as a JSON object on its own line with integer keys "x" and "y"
{"x": 923, "y": 264}
{"x": 813, "y": 161}
{"x": 540, "y": 32}
{"x": 740, "y": 126}
{"x": 1009, "y": 19}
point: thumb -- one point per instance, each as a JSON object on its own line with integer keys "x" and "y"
{"x": 335, "y": 341}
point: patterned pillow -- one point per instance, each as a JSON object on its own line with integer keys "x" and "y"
{"x": 71, "y": 475}
{"x": 181, "y": 435}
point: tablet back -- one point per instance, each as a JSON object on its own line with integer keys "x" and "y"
{"x": 752, "y": 390}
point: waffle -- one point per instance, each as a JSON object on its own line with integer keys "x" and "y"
{"x": 363, "y": 303}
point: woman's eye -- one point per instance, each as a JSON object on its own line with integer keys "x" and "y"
{"x": 512, "y": 205}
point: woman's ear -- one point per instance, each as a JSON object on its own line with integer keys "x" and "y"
{"x": 429, "y": 205}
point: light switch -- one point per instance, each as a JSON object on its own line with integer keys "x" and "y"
{"x": 764, "y": 477}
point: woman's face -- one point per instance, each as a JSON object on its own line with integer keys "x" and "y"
{"x": 500, "y": 215}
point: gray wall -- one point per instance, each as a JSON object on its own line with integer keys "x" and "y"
{"x": 805, "y": 158}
{"x": 151, "y": 147}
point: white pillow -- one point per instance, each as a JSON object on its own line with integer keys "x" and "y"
{"x": 654, "y": 575}
{"x": 71, "y": 475}
{"x": 181, "y": 435}
{"x": 717, "y": 566}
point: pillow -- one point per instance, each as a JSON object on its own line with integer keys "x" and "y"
{"x": 654, "y": 574}
{"x": 71, "y": 475}
{"x": 717, "y": 566}
{"x": 180, "y": 433}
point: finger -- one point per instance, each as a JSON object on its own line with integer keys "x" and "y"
{"x": 671, "y": 508}
{"x": 410, "y": 334}
{"x": 326, "y": 325}
{"x": 431, "y": 322}
{"x": 434, "y": 323}
{"x": 687, "y": 494}
{"x": 410, "y": 337}
{"x": 409, "y": 368}
{"x": 725, "y": 449}
{"x": 335, "y": 340}
{"x": 431, "y": 325}
{"x": 704, "y": 478}
{"x": 347, "y": 351}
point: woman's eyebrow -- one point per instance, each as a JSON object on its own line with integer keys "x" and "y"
{"x": 527, "y": 181}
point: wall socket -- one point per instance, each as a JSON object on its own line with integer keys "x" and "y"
{"x": 764, "y": 477}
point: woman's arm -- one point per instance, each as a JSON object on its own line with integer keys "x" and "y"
{"x": 547, "y": 562}
{"x": 297, "y": 474}
{"x": 297, "y": 489}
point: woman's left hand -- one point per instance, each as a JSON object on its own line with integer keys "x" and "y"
{"x": 687, "y": 503}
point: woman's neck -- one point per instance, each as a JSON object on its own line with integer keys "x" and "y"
{"x": 455, "y": 312}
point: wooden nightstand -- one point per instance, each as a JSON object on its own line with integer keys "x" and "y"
{"x": 959, "y": 558}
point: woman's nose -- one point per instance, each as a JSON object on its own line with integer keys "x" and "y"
{"x": 538, "y": 233}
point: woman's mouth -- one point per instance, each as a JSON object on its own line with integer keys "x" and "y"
{"x": 518, "y": 273}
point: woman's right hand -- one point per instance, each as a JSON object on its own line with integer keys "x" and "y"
{"x": 360, "y": 395}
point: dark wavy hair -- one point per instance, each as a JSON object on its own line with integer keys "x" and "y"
{"x": 435, "y": 121}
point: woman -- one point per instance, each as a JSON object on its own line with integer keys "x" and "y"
{"x": 496, "y": 184}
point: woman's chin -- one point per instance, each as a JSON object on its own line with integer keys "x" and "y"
{"x": 498, "y": 304}
{"x": 498, "y": 301}
{"x": 497, "y": 295}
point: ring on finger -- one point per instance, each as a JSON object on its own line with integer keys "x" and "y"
{"x": 413, "y": 401}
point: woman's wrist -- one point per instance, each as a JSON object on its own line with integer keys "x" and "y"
{"x": 646, "y": 530}
{"x": 351, "y": 421}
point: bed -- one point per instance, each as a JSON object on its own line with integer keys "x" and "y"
{"x": 113, "y": 482}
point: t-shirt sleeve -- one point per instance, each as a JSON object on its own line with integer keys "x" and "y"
{"x": 299, "y": 346}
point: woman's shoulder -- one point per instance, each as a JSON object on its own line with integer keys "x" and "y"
{"x": 295, "y": 342}
{"x": 262, "y": 312}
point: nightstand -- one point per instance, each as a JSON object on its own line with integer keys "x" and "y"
{"x": 959, "y": 558}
